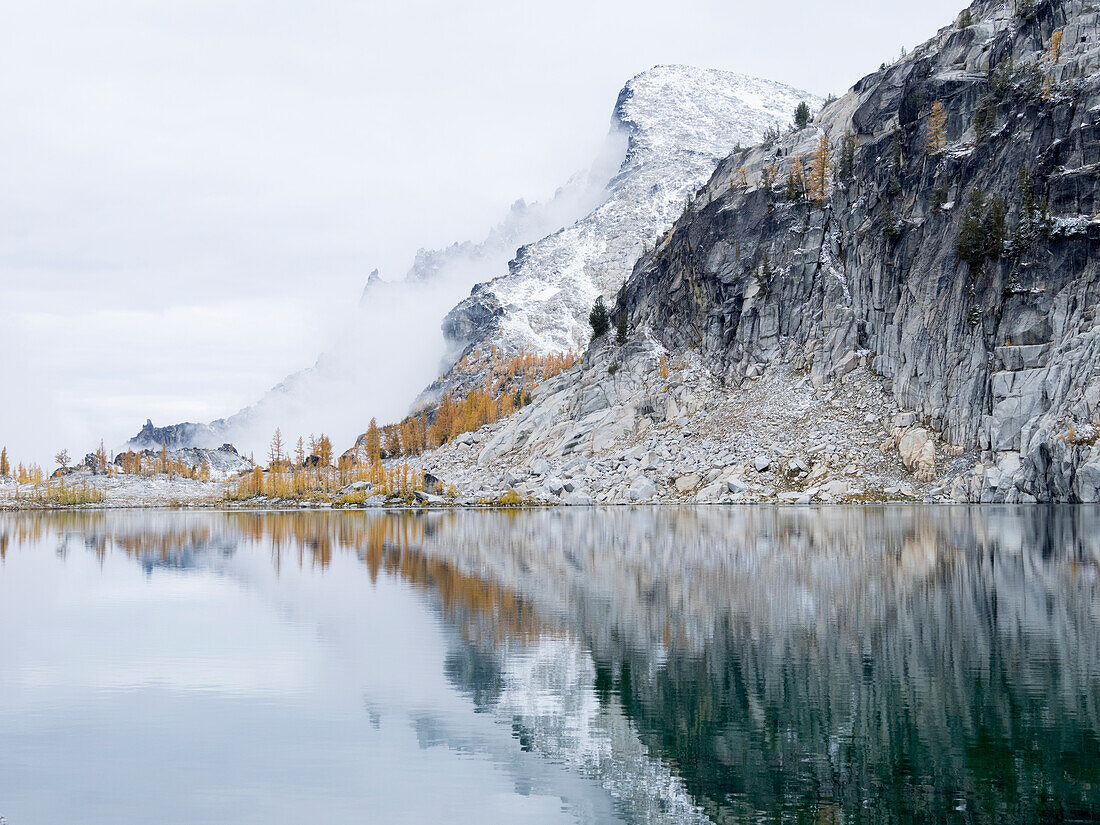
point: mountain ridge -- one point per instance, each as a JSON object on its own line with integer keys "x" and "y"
{"x": 670, "y": 125}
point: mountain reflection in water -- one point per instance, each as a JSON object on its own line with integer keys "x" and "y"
{"x": 893, "y": 664}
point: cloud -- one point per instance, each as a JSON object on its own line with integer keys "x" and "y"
{"x": 254, "y": 158}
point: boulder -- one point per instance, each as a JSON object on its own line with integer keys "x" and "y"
{"x": 710, "y": 494}
{"x": 918, "y": 452}
{"x": 577, "y": 499}
{"x": 355, "y": 487}
{"x": 688, "y": 482}
{"x": 642, "y": 489}
{"x": 1086, "y": 483}
{"x": 736, "y": 485}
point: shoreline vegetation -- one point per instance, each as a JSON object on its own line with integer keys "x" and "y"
{"x": 308, "y": 474}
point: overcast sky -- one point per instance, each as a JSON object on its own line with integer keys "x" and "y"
{"x": 194, "y": 192}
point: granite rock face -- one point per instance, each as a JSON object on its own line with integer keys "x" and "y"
{"x": 1000, "y": 356}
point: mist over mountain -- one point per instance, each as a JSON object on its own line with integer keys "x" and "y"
{"x": 669, "y": 127}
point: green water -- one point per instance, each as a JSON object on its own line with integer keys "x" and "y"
{"x": 817, "y": 665}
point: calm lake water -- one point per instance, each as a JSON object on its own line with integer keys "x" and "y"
{"x": 834, "y": 665}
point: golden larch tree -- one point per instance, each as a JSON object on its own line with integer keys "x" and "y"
{"x": 819, "y": 174}
{"x": 101, "y": 458}
{"x": 275, "y": 451}
{"x": 937, "y": 123}
{"x": 768, "y": 176}
{"x": 373, "y": 442}
{"x": 324, "y": 450}
{"x": 1055, "y": 53}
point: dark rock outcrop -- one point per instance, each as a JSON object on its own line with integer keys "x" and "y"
{"x": 1000, "y": 355}
{"x": 172, "y": 436}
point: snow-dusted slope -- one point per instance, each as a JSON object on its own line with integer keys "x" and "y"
{"x": 680, "y": 121}
{"x": 670, "y": 127}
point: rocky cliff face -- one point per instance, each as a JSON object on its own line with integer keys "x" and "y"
{"x": 679, "y": 121}
{"x": 1001, "y": 355}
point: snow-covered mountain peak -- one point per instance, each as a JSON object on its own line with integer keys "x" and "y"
{"x": 671, "y": 107}
{"x": 680, "y": 121}
{"x": 669, "y": 128}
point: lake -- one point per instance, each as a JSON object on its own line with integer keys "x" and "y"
{"x": 634, "y": 665}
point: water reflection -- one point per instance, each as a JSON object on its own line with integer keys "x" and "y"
{"x": 836, "y": 665}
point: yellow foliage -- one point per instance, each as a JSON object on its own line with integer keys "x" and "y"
{"x": 819, "y": 173}
{"x": 510, "y": 498}
{"x": 60, "y": 494}
{"x": 937, "y": 121}
{"x": 504, "y": 390}
{"x": 797, "y": 171}
{"x": 1054, "y": 53}
{"x": 31, "y": 474}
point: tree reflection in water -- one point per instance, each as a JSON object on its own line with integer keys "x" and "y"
{"x": 893, "y": 664}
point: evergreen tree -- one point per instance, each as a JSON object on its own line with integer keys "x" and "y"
{"x": 972, "y": 234}
{"x": 890, "y": 226}
{"x": 996, "y": 233}
{"x": 796, "y": 181}
{"x": 893, "y": 185}
{"x": 5, "y": 467}
{"x": 985, "y": 118}
{"x": 1027, "y": 196}
{"x": 801, "y": 115}
{"x": 620, "y": 329}
{"x": 1046, "y": 223}
{"x": 598, "y": 318}
{"x": 846, "y": 166}
{"x": 939, "y": 195}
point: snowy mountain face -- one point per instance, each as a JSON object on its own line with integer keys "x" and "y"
{"x": 679, "y": 122}
{"x": 670, "y": 127}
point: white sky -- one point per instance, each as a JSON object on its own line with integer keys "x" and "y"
{"x": 193, "y": 193}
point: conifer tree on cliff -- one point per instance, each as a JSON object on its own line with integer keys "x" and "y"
{"x": 802, "y": 115}
{"x": 599, "y": 319}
